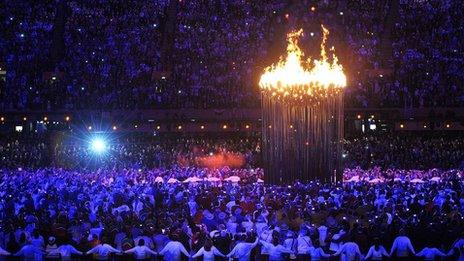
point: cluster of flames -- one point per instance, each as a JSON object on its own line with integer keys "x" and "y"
{"x": 293, "y": 78}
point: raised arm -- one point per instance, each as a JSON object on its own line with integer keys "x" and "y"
{"x": 130, "y": 251}
{"x": 439, "y": 253}
{"x": 39, "y": 251}
{"x": 383, "y": 251}
{"x": 421, "y": 253}
{"x": 284, "y": 249}
{"x": 183, "y": 250}
{"x": 93, "y": 250}
{"x": 54, "y": 251}
{"x": 165, "y": 248}
{"x": 198, "y": 253}
{"x": 112, "y": 249}
{"x": 340, "y": 250}
{"x": 411, "y": 248}
{"x": 233, "y": 252}
{"x": 358, "y": 252}
{"x": 369, "y": 253}
{"x": 322, "y": 253}
{"x": 4, "y": 252}
{"x": 451, "y": 252}
{"x": 265, "y": 244}
{"x": 256, "y": 242}
{"x": 216, "y": 252}
{"x": 74, "y": 250}
{"x": 150, "y": 251}
{"x": 394, "y": 246}
{"x": 20, "y": 252}
{"x": 36, "y": 250}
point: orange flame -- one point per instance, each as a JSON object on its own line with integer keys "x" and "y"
{"x": 297, "y": 78}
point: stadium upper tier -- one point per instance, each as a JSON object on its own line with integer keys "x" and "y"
{"x": 196, "y": 54}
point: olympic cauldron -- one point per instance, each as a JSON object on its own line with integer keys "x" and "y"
{"x": 302, "y": 116}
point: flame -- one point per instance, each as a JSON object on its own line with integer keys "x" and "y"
{"x": 297, "y": 78}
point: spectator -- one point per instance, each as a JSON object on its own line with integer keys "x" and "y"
{"x": 208, "y": 251}
{"x": 377, "y": 251}
{"x": 141, "y": 252}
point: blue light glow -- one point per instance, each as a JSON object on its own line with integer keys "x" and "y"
{"x": 98, "y": 145}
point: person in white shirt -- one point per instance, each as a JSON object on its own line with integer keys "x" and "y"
{"x": 275, "y": 250}
{"x": 208, "y": 251}
{"x": 147, "y": 241}
{"x": 173, "y": 250}
{"x": 141, "y": 252}
{"x": 336, "y": 243}
{"x": 290, "y": 241}
{"x": 232, "y": 225}
{"x": 402, "y": 247}
{"x": 267, "y": 236}
{"x": 118, "y": 238}
{"x": 242, "y": 250}
{"x": 429, "y": 254}
{"x": 376, "y": 252}
{"x": 260, "y": 225}
{"x": 30, "y": 252}
{"x": 159, "y": 240}
{"x": 247, "y": 224}
{"x": 193, "y": 206}
{"x": 103, "y": 250}
{"x": 51, "y": 245}
{"x": 322, "y": 235}
{"x": 303, "y": 244}
{"x": 65, "y": 251}
{"x": 38, "y": 241}
{"x": 349, "y": 251}
{"x": 97, "y": 230}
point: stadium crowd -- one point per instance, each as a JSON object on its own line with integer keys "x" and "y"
{"x": 176, "y": 211}
{"x": 385, "y": 151}
{"x": 132, "y": 151}
{"x": 172, "y": 198}
{"x": 183, "y": 54}
{"x": 404, "y": 152}
{"x": 110, "y": 214}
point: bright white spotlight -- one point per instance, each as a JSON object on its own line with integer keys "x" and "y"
{"x": 98, "y": 145}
